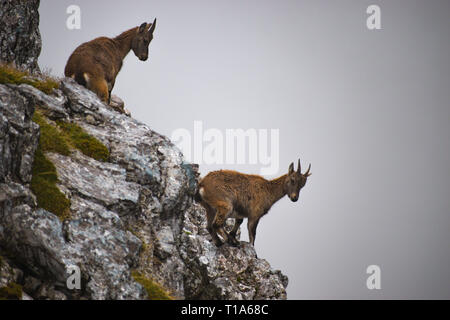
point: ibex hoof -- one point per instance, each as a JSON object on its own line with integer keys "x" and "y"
{"x": 233, "y": 242}
{"x": 218, "y": 243}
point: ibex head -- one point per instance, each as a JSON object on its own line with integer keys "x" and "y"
{"x": 295, "y": 180}
{"x": 140, "y": 42}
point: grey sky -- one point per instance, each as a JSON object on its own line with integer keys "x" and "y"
{"x": 369, "y": 109}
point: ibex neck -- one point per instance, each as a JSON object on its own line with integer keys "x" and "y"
{"x": 277, "y": 188}
{"x": 123, "y": 41}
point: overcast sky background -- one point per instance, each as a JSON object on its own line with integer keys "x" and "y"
{"x": 368, "y": 109}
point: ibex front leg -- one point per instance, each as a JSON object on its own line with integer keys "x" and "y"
{"x": 232, "y": 235}
{"x": 252, "y": 225}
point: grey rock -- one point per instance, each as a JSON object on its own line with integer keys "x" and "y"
{"x": 12, "y": 194}
{"x": 54, "y": 105}
{"x": 48, "y": 292}
{"x": 32, "y": 285}
{"x": 20, "y": 39}
{"x": 105, "y": 255}
{"x": 38, "y": 239}
{"x": 119, "y": 105}
{"x": 82, "y": 176}
{"x": 80, "y": 99}
{"x": 25, "y": 296}
{"x": 9, "y": 273}
{"x": 226, "y": 272}
{"x": 18, "y": 136}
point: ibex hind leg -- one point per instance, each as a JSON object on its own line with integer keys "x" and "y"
{"x": 110, "y": 88}
{"x": 223, "y": 211}
{"x": 99, "y": 86}
{"x": 210, "y": 214}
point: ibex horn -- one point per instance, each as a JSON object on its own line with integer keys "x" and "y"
{"x": 299, "y": 167}
{"x": 307, "y": 171}
{"x": 152, "y": 28}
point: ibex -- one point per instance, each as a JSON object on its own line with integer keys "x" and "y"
{"x": 95, "y": 64}
{"x": 230, "y": 194}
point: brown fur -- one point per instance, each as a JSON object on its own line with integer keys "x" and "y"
{"x": 95, "y": 64}
{"x": 230, "y": 194}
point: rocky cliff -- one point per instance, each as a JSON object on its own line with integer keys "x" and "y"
{"x": 20, "y": 39}
{"x": 86, "y": 186}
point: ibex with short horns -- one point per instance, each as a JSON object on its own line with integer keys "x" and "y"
{"x": 95, "y": 64}
{"x": 230, "y": 194}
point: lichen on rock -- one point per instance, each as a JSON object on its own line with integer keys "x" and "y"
{"x": 20, "y": 41}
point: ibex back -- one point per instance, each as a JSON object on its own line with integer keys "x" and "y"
{"x": 230, "y": 194}
{"x": 95, "y": 64}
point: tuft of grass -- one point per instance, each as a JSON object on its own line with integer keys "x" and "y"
{"x": 12, "y": 291}
{"x": 154, "y": 290}
{"x": 84, "y": 142}
{"x": 11, "y": 75}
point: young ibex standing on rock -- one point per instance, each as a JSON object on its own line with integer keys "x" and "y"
{"x": 95, "y": 64}
{"x": 230, "y": 194}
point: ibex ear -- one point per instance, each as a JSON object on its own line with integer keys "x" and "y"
{"x": 142, "y": 27}
{"x": 291, "y": 168}
{"x": 152, "y": 28}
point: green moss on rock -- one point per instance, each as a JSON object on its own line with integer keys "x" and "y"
{"x": 11, "y": 292}
{"x": 153, "y": 289}
{"x": 64, "y": 136}
{"x": 60, "y": 139}
{"x": 11, "y": 75}
{"x": 51, "y": 139}
{"x": 84, "y": 142}
{"x": 43, "y": 185}
{"x": 42, "y": 167}
{"x": 43, "y": 182}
